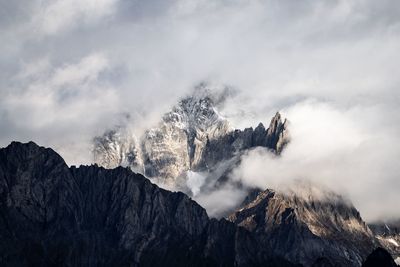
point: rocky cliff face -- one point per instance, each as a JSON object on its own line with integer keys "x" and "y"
{"x": 52, "y": 215}
{"x": 233, "y": 143}
{"x": 193, "y": 136}
{"x": 118, "y": 147}
{"x": 306, "y": 229}
{"x": 388, "y": 235}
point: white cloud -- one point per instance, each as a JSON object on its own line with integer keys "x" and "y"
{"x": 86, "y": 71}
{"x": 350, "y": 151}
{"x": 220, "y": 202}
{"x": 66, "y": 103}
{"x": 195, "y": 181}
{"x": 60, "y": 15}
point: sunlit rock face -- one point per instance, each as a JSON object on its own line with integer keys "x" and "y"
{"x": 118, "y": 147}
{"x": 177, "y": 143}
{"x": 308, "y": 229}
{"x": 193, "y": 136}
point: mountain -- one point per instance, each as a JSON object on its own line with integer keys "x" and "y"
{"x": 53, "y": 215}
{"x": 388, "y": 235}
{"x": 306, "y": 228}
{"x": 194, "y": 149}
{"x": 192, "y": 138}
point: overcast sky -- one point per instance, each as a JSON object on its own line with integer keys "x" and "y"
{"x": 71, "y": 68}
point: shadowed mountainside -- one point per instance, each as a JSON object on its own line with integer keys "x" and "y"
{"x": 52, "y": 215}
{"x": 306, "y": 229}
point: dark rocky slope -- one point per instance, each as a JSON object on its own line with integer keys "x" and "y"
{"x": 379, "y": 258}
{"x": 52, "y": 215}
{"x": 388, "y": 235}
{"x": 307, "y": 229}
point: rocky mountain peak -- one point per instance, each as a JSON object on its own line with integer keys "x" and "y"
{"x": 198, "y": 110}
{"x": 278, "y": 133}
{"x": 193, "y": 136}
{"x": 260, "y": 127}
{"x": 29, "y": 150}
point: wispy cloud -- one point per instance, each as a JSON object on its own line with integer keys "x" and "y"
{"x": 351, "y": 151}
{"x": 63, "y": 103}
{"x": 53, "y": 17}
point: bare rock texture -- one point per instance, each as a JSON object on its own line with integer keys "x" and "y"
{"x": 307, "y": 230}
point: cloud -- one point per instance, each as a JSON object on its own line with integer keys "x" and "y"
{"x": 64, "y": 102}
{"x": 71, "y": 69}
{"x": 351, "y": 151}
{"x": 221, "y": 202}
{"x": 195, "y": 181}
{"x": 60, "y": 15}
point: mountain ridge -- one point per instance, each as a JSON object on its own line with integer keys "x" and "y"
{"x": 55, "y": 215}
{"x": 304, "y": 230}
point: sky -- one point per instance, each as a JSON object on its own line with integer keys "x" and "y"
{"x": 69, "y": 69}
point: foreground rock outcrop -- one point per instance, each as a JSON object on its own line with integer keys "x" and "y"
{"x": 306, "y": 229}
{"x": 53, "y": 215}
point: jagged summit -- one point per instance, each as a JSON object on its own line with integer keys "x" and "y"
{"x": 193, "y": 136}
{"x": 277, "y": 133}
{"x": 199, "y": 110}
{"x": 19, "y": 151}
